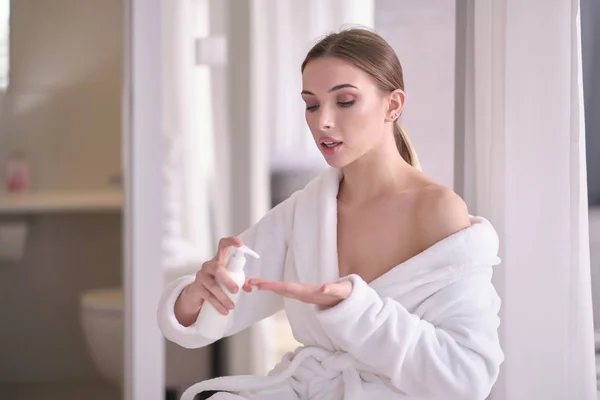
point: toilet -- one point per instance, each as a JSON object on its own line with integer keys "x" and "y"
{"x": 101, "y": 314}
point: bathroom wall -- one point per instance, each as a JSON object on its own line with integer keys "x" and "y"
{"x": 62, "y": 110}
{"x": 423, "y": 35}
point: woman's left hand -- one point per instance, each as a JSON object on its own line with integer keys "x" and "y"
{"x": 327, "y": 295}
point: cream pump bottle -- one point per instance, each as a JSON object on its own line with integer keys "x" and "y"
{"x": 210, "y": 323}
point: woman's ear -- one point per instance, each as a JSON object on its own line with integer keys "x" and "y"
{"x": 395, "y": 104}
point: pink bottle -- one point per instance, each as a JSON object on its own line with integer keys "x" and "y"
{"x": 17, "y": 174}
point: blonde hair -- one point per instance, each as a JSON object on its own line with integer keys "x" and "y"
{"x": 371, "y": 53}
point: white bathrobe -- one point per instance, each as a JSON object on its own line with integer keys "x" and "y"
{"x": 427, "y": 329}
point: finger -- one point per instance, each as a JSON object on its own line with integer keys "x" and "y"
{"x": 210, "y": 267}
{"x": 278, "y": 290}
{"x": 209, "y": 297}
{"x": 330, "y": 288}
{"x": 256, "y": 281}
{"x": 270, "y": 285}
{"x": 224, "y": 245}
{"x": 215, "y": 289}
{"x": 247, "y": 287}
{"x": 340, "y": 290}
{"x": 221, "y": 275}
{"x": 287, "y": 289}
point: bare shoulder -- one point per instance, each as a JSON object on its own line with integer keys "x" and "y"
{"x": 440, "y": 213}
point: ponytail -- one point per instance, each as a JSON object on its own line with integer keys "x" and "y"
{"x": 405, "y": 147}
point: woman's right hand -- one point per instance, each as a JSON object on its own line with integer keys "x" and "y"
{"x": 206, "y": 287}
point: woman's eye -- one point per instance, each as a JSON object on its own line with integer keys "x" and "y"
{"x": 345, "y": 103}
{"x": 311, "y": 108}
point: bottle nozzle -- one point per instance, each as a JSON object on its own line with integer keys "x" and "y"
{"x": 240, "y": 251}
{"x": 237, "y": 260}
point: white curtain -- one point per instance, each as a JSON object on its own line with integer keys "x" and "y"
{"x": 524, "y": 168}
{"x": 188, "y": 121}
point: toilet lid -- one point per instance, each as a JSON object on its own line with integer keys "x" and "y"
{"x": 103, "y": 299}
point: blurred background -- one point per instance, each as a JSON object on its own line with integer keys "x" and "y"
{"x": 224, "y": 123}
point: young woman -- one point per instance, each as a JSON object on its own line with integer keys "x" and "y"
{"x": 384, "y": 276}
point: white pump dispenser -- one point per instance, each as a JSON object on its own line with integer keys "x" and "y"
{"x": 210, "y": 323}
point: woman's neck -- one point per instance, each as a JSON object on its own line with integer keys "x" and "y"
{"x": 380, "y": 172}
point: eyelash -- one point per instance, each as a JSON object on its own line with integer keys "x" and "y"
{"x": 342, "y": 104}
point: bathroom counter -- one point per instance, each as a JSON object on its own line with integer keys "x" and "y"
{"x": 62, "y": 201}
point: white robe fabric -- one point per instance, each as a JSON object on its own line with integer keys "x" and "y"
{"x": 427, "y": 329}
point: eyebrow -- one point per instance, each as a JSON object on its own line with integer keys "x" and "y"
{"x": 336, "y": 87}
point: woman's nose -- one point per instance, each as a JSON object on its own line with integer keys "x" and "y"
{"x": 325, "y": 119}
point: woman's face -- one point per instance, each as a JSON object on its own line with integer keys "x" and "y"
{"x": 346, "y": 111}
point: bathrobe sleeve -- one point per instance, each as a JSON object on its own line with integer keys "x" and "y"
{"x": 269, "y": 238}
{"x": 449, "y": 351}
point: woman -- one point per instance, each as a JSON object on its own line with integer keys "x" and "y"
{"x": 384, "y": 276}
